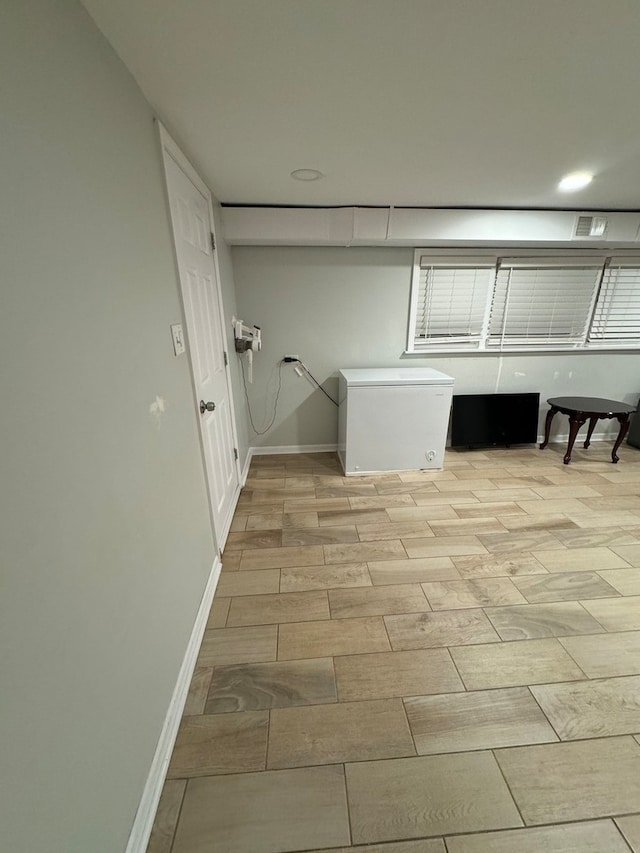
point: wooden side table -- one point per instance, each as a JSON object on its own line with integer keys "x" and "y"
{"x": 581, "y": 409}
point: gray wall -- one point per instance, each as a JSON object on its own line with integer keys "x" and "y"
{"x": 348, "y": 307}
{"x": 105, "y": 537}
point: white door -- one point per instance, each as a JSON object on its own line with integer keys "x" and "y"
{"x": 193, "y": 234}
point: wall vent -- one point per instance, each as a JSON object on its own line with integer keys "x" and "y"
{"x": 590, "y": 226}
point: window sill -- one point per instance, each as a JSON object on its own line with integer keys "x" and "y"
{"x": 524, "y": 351}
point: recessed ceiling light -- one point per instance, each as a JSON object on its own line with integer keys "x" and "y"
{"x": 575, "y": 181}
{"x": 306, "y": 175}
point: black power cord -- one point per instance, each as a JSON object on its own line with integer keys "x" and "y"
{"x": 285, "y": 360}
{"x": 316, "y": 383}
{"x": 289, "y": 359}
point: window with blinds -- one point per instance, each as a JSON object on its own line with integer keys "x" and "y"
{"x": 501, "y": 303}
{"x": 539, "y": 302}
{"x": 450, "y": 302}
{"x": 616, "y": 319}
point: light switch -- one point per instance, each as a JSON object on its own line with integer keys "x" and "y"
{"x": 178, "y": 339}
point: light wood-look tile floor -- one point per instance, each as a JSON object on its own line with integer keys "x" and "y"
{"x": 444, "y": 662}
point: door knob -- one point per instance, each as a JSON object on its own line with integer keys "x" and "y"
{"x": 206, "y": 407}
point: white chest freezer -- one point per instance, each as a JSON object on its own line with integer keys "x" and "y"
{"x": 393, "y": 419}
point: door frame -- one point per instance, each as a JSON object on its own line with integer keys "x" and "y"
{"x": 171, "y": 149}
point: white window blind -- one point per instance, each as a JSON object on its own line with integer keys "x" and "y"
{"x": 616, "y": 318}
{"x": 450, "y": 301}
{"x": 524, "y": 301}
{"x": 543, "y": 302}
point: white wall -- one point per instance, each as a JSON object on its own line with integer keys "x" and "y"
{"x": 348, "y": 307}
{"x": 105, "y": 539}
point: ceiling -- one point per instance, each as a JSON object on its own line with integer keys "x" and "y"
{"x": 398, "y": 102}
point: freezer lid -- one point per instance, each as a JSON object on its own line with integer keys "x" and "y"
{"x": 362, "y": 377}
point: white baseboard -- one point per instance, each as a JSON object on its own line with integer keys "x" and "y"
{"x": 560, "y": 438}
{"x": 563, "y": 437}
{"x": 293, "y": 448}
{"x": 143, "y": 822}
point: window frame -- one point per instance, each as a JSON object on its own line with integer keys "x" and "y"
{"x": 572, "y": 257}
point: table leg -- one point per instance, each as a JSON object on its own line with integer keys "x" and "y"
{"x": 592, "y": 425}
{"x": 576, "y": 420}
{"x": 547, "y": 426}
{"x": 624, "y": 426}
